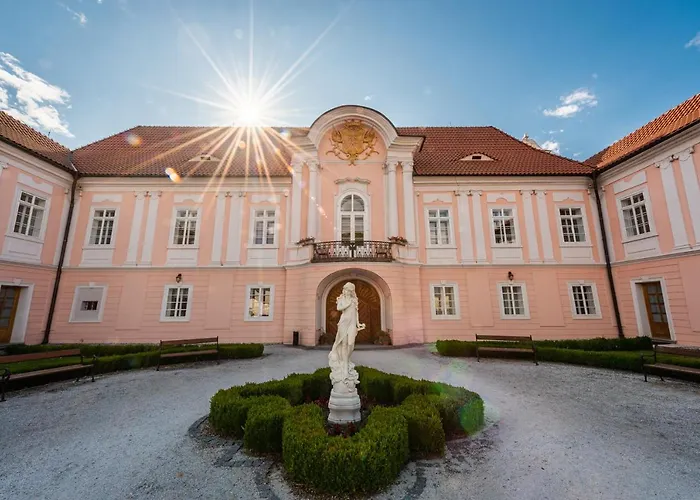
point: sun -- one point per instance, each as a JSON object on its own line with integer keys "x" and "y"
{"x": 250, "y": 114}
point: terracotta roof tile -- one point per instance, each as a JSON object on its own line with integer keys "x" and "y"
{"x": 672, "y": 121}
{"x": 148, "y": 151}
{"x": 25, "y": 137}
{"x": 444, "y": 147}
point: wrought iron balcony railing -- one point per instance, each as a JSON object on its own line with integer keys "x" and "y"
{"x": 344, "y": 251}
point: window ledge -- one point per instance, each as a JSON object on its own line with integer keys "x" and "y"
{"x": 644, "y": 236}
{"x": 592, "y": 316}
{"x": 253, "y": 245}
{"x": 505, "y": 316}
{"x": 583, "y": 244}
{"x": 99, "y": 247}
{"x": 84, "y": 321}
{"x": 174, "y": 320}
{"x": 259, "y": 319}
{"x": 183, "y": 247}
{"x": 447, "y": 247}
{"x": 18, "y": 236}
{"x": 444, "y": 317}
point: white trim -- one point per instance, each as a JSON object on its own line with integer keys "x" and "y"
{"x": 151, "y": 221}
{"x": 44, "y": 187}
{"x": 392, "y": 205}
{"x": 297, "y": 179}
{"x": 560, "y": 196}
{"x": 251, "y": 226}
{"x": 478, "y": 227}
{"x": 692, "y": 190}
{"x": 19, "y": 328}
{"x": 673, "y": 204}
{"x": 314, "y": 201}
{"x": 437, "y": 198}
{"x": 450, "y": 217}
{"x": 235, "y": 219}
{"x": 367, "y": 222}
{"x": 76, "y": 298}
{"x": 87, "y": 243}
{"x": 408, "y": 202}
{"x": 650, "y": 215}
{"x": 15, "y": 208}
{"x": 114, "y": 198}
{"x": 164, "y": 303}
{"x": 246, "y": 317}
{"x": 637, "y": 179}
{"x": 517, "y": 242}
{"x": 28, "y": 163}
{"x": 526, "y": 304}
{"x": 530, "y": 227}
{"x": 596, "y": 302}
{"x": 465, "y": 228}
{"x": 135, "y": 235}
{"x": 598, "y": 236}
{"x": 192, "y": 198}
{"x": 494, "y": 197}
{"x": 608, "y": 232}
{"x": 219, "y": 216}
{"x": 586, "y": 228}
{"x": 547, "y": 246}
{"x": 640, "y": 310}
{"x": 73, "y": 228}
{"x": 62, "y": 229}
{"x": 197, "y": 230}
{"x": 444, "y": 317}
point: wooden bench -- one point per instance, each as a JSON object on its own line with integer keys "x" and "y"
{"x": 17, "y": 358}
{"x": 182, "y": 354}
{"x": 666, "y": 368}
{"x": 506, "y": 338}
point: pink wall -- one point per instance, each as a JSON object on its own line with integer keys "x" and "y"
{"x": 42, "y": 278}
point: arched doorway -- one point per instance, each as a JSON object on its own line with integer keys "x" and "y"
{"x": 374, "y": 303}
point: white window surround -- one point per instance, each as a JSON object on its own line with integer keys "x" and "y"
{"x": 173, "y": 223}
{"x": 88, "y": 233}
{"x": 586, "y": 232}
{"x": 79, "y": 296}
{"x": 251, "y": 226}
{"x": 19, "y": 189}
{"x": 450, "y": 217}
{"x": 516, "y": 228}
{"x": 338, "y": 215}
{"x": 164, "y": 305}
{"x": 640, "y": 310}
{"x": 442, "y": 285}
{"x": 596, "y": 302}
{"x": 650, "y": 215}
{"x": 526, "y": 305}
{"x": 246, "y": 313}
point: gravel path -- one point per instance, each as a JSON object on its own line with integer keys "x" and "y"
{"x": 555, "y": 432}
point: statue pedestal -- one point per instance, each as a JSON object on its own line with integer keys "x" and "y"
{"x": 344, "y": 406}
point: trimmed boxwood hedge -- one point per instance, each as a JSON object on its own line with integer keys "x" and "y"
{"x": 418, "y": 415}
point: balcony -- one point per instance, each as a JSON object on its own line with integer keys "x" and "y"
{"x": 352, "y": 251}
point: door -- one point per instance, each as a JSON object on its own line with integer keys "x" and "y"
{"x": 9, "y": 298}
{"x": 368, "y": 304}
{"x": 656, "y": 310}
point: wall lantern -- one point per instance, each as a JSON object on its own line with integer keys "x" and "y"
{"x": 178, "y": 278}
{"x": 510, "y": 276}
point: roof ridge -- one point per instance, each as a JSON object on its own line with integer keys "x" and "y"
{"x": 44, "y": 136}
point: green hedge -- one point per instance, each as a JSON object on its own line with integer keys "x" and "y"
{"x": 269, "y": 417}
{"x": 89, "y": 350}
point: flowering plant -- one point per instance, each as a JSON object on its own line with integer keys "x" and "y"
{"x": 309, "y": 240}
{"x": 399, "y": 240}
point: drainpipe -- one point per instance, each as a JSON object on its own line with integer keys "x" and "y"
{"x": 64, "y": 244}
{"x": 606, "y": 251}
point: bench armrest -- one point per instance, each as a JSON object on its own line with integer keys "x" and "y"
{"x": 5, "y": 373}
{"x": 649, "y": 357}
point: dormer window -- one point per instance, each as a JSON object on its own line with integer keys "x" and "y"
{"x": 205, "y": 157}
{"x": 476, "y": 157}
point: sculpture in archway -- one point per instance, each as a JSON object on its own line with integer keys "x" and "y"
{"x": 344, "y": 403}
{"x": 369, "y": 310}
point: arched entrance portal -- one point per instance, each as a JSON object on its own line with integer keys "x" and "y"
{"x": 369, "y": 307}
{"x": 374, "y": 303}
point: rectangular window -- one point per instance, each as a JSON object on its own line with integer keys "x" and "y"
{"x": 513, "y": 301}
{"x": 264, "y": 227}
{"x": 88, "y": 303}
{"x": 259, "y": 302}
{"x": 572, "y": 226}
{"x": 584, "y": 301}
{"x": 444, "y": 301}
{"x": 185, "y": 227}
{"x": 634, "y": 214}
{"x": 439, "y": 225}
{"x": 177, "y": 302}
{"x": 102, "y": 227}
{"x": 30, "y": 214}
{"x": 503, "y": 226}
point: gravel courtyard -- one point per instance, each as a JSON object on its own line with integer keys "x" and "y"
{"x": 553, "y": 432}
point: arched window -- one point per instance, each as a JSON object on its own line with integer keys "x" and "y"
{"x": 352, "y": 218}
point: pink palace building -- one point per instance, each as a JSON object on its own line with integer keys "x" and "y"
{"x": 249, "y": 234}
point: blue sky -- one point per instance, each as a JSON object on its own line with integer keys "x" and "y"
{"x": 578, "y": 74}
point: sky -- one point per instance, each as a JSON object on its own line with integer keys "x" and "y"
{"x": 575, "y": 76}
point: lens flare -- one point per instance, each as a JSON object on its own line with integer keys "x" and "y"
{"x": 133, "y": 139}
{"x": 173, "y": 175}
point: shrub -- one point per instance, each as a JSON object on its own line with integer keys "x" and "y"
{"x": 263, "y": 427}
{"x": 425, "y": 432}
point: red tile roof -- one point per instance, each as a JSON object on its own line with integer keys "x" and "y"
{"x": 13, "y": 131}
{"x": 148, "y": 151}
{"x": 672, "y": 121}
{"x": 444, "y": 147}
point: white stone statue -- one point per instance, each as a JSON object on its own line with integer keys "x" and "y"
{"x": 344, "y": 403}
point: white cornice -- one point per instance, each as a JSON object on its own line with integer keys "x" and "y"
{"x": 204, "y": 185}
{"x": 488, "y": 183}
{"x": 26, "y": 162}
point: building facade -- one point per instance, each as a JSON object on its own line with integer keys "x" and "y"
{"x": 249, "y": 234}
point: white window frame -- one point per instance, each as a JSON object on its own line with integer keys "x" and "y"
{"x": 164, "y": 304}
{"x": 251, "y": 236}
{"x": 516, "y": 227}
{"x": 248, "y": 288}
{"x": 100, "y": 309}
{"x": 650, "y": 214}
{"x": 339, "y": 213}
{"x": 451, "y": 226}
{"x": 596, "y": 301}
{"x": 88, "y": 232}
{"x": 198, "y": 227}
{"x": 15, "y": 209}
{"x": 526, "y": 302}
{"x": 441, "y": 317}
{"x": 586, "y": 232}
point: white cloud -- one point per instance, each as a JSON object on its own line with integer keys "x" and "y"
{"x": 694, "y": 42}
{"x": 34, "y": 98}
{"x": 369, "y": 97}
{"x": 561, "y": 130}
{"x": 594, "y": 76}
{"x": 573, "y": 103}
{"x": 78, "y": 16}
{"x": 576, "y": 155}
{"x": 551, "y": 146}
